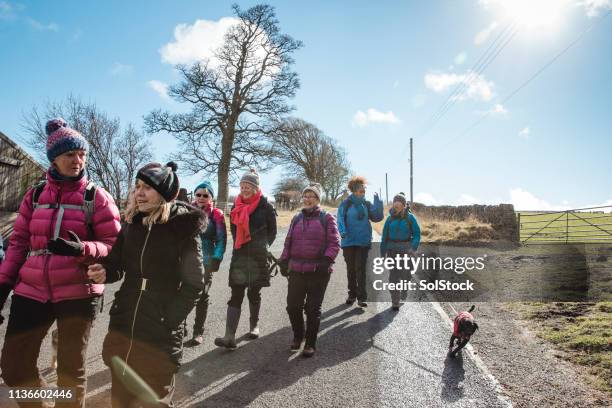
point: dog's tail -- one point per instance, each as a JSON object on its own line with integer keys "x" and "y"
{"x": 472, "y": 309}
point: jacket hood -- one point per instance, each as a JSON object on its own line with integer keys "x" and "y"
{"x": 187, "y": 220}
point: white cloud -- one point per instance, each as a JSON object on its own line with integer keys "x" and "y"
{"x": 37, "y": 25}
{"x": 119, "y": 69}
{"x": 484, "y": 34}
{"x": 196, "y": 42}
{"x": 594, "y": 7}
{"x": 466, "y": 199}
{"x": 160, "y": 87}
{"x": 498, "y": 110}
{"x": 524, "y": 133}
{"x": 372, "y": 115}
{"x": 425, "y": 198}
{"x": 525, "y": 201}
{"x": 478, "y": 87}
{"x": 460, "y": 58}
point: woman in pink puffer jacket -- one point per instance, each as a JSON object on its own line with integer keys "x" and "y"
{"x": 53, "y": 242}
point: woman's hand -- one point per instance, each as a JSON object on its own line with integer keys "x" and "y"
{"x": 96, "y": 273}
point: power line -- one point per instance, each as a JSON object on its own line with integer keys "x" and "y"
{"x": 485, "y": 59}
{"x": 475, "y": 76}
{"x": 534, "y": 76}
{"x": 494, "y": 49}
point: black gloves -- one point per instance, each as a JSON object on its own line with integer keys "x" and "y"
{"x": 60, "y": 246}
{"x": 214, "y": 264}
{"x": 4, "y": 294}
{"x": 324, "y": 263}
{"x": 284, "y": 267}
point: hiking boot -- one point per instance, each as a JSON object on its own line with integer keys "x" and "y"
{"x": 231, "y": 324}
{"x": 350, "y": 300}
{"x": 308, "y": 351}
{"x": 362, "y": 304}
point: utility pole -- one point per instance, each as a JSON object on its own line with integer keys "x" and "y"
{"x": 411, "y": 184}
{"x": 386, "y": 189}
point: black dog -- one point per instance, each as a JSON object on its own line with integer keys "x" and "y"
{"x": 463, "y": 328}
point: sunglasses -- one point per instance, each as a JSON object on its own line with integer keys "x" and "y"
{"x": 203, "y": 195}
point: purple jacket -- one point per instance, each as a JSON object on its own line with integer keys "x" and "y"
{"x": 303, "y": 245}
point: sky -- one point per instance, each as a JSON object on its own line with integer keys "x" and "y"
{"x": 373, "y": 75}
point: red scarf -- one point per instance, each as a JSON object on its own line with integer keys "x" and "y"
{"x": 239, "y": 216}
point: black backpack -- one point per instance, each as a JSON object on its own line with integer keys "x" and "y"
{"x": 348, "y": 203}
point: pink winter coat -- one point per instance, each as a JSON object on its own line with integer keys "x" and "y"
{"x": 50, "y": 277}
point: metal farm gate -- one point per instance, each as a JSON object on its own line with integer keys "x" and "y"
{"x": 591, "y": 225}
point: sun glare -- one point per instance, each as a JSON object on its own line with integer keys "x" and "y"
{"x": 535, "y": 14}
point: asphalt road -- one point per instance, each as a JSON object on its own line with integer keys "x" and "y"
{"x": 365, "y": 358}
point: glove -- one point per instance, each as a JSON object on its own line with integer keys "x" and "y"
{"x": 60, "y": 246}
{"x": 324, "y": 263}
{"x": 284, "y": 267}
{"x": 214, "y": 264}
{"x": 4, "y": 294}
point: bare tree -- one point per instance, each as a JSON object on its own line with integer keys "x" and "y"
{"x": 290, "y": 184}
{"x": 336, "y": 176}
{"x": 236, "y": 99}
{"x": 114, "y": 155}
{"x": 306, "y": 151}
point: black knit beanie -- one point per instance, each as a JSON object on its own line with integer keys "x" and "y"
{"x": 162, "y": 179}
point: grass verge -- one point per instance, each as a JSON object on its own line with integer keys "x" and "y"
{"x": 583, "y": 331}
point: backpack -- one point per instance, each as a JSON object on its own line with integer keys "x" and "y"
{"x": 349, "y": 203}
{"x": 322, "y": 219}
{"x": 88, "y": 207}
{"x": 407, "y": 218}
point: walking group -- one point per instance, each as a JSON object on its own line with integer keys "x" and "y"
{"x": 69, "y": 240}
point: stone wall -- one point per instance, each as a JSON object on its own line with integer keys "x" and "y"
{"x": 502, "y": 217}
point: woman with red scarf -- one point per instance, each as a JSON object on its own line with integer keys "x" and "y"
{"x": 253, "y": 227}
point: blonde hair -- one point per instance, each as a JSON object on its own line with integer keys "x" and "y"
{"x": 159, "y": 215}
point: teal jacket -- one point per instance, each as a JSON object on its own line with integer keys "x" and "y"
{"x": 400, "y": 233}
{"x": 354, "y": 216}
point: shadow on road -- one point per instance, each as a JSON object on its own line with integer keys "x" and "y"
{"x": 452, "y": 376}
{"x": 267, "y": 365}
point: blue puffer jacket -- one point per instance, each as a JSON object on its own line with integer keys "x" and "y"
{"x": 400, "y": 233}
{"x": 354, "y": 216}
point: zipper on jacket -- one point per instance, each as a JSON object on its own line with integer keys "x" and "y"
{"x": 144, "y": 246}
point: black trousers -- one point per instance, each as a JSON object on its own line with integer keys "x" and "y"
{"x": 253, "y": 294}
{"x": 305, "y": 294}
{"x": 202, "y": 307}
{"x": 356, "y": 258}
{"x": 29, "y": 322}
